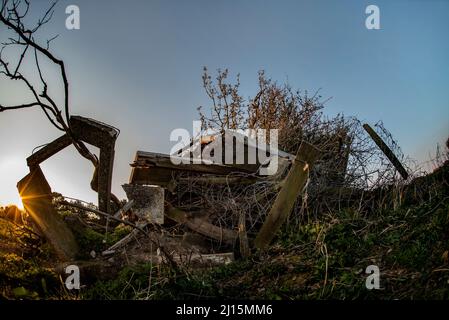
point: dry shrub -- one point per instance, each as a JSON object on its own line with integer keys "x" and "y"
{"x": 351, "y": 163}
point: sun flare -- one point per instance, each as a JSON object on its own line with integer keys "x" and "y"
{"x": 12, "y": 202}
{"x": 12, "y": 169}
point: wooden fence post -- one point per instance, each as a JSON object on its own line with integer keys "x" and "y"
{"x": 291, "y": 188}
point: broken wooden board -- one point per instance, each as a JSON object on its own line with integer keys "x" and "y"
{"x": 102, "y": 136}
{"x": 37, "y": 199}
{"x": 243, "y": 236}
{"x": 292, "y": 187}
{"x": 148, "y": 202}
{"x": 247, "y": 150}
{"x": 124, "y": 209}
{"x": 48, "y": 151}
{"x": 158, "y": 169}
{"x": 386, "y": 150}
{"x": 209, "y": 260}
{"x": 221, "y": 180}
{"x": 124, "y": 241}
{"x": 97, "y": 134}
{"x": 201, "y": 226}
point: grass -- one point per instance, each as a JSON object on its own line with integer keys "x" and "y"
{"x": 327, "y": 258}
{"x": 323, "y": 259}
{"x": 25, "y": 272}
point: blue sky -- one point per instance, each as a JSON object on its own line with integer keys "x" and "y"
{"x": 137, "y": 65}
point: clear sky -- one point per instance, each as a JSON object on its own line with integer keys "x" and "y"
{"x": 137, "y": 65}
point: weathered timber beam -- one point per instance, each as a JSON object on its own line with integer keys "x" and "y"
{"x": 49, "y": 150}
{"x": 37, "y": 199}
{"x": 124, "y": 209}
{"x": 200, "y": 225}
{"x": 214, "y": 259}
{"x": 97, "y": 134}
{"x": 220, "y": 180}
{"x": 153, "y": 159}
{"x": 243, "y": 236}
{"x": 158, "y": 169}
{"x": 102, "y": 136}
{"x": 105, "y": 177}
{"x": 386, "y": 150}
{"x": 291, "y": 188}
{"x": 122, "y": 242}
{"x": 92, "y": 131}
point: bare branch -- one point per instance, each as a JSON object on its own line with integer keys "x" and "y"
{"x": 21, "y": 59}
{"x": 22, "y": 106}
{"x": 21, "y": 32}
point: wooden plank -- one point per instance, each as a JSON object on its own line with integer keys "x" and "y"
{"x": 92, "y": 131}
{"x": 147, "y": 160}
{"x": 214, "y": 259}
{"x": 124, "y": 241}
{"x": 105, "y": 168}
{"x": 37, "y": 199}
{"x": 124, "y": 209}
{"x": 217, "y": 258}
{"x": 386, "y": 150}
{"x": 291, "y": 188}
{"x": 49, "y": 150}
{"x": 221, "y": 180}
{"x": 97, "y": 134}
{"x": 102, "y": 136}
{"x": 200, "y": 225}
{"x": 152, "y": 176}
{"x": 163, "y": 177}
{"x": 243, "y": 236}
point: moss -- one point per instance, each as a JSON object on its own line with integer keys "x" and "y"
{"x": 89, "y": 239}
{"x": 26, "y": 278}
{"x": 117, "y": 233}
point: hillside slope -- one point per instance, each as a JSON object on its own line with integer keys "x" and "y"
{"x": 327, "y": 258}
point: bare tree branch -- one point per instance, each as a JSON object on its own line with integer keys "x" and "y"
{"x": 12, "y": 18}
{"x": 20, "y": 30}
{"x": 12, "y": 14}
{"x": 22, "y": 106}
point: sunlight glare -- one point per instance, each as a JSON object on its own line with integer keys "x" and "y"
{"x": 12, "y": 169}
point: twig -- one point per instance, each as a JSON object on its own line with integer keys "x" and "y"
{"x": 74, "y": 205}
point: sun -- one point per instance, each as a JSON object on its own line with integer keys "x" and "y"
{"x": 11, "y": 199}
{"x": 17, "y": 203}
{"x": 12, "y": 169}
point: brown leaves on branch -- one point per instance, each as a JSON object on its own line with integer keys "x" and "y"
{"x": 274, "y": 106}
{"x": 350, "y": 157}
